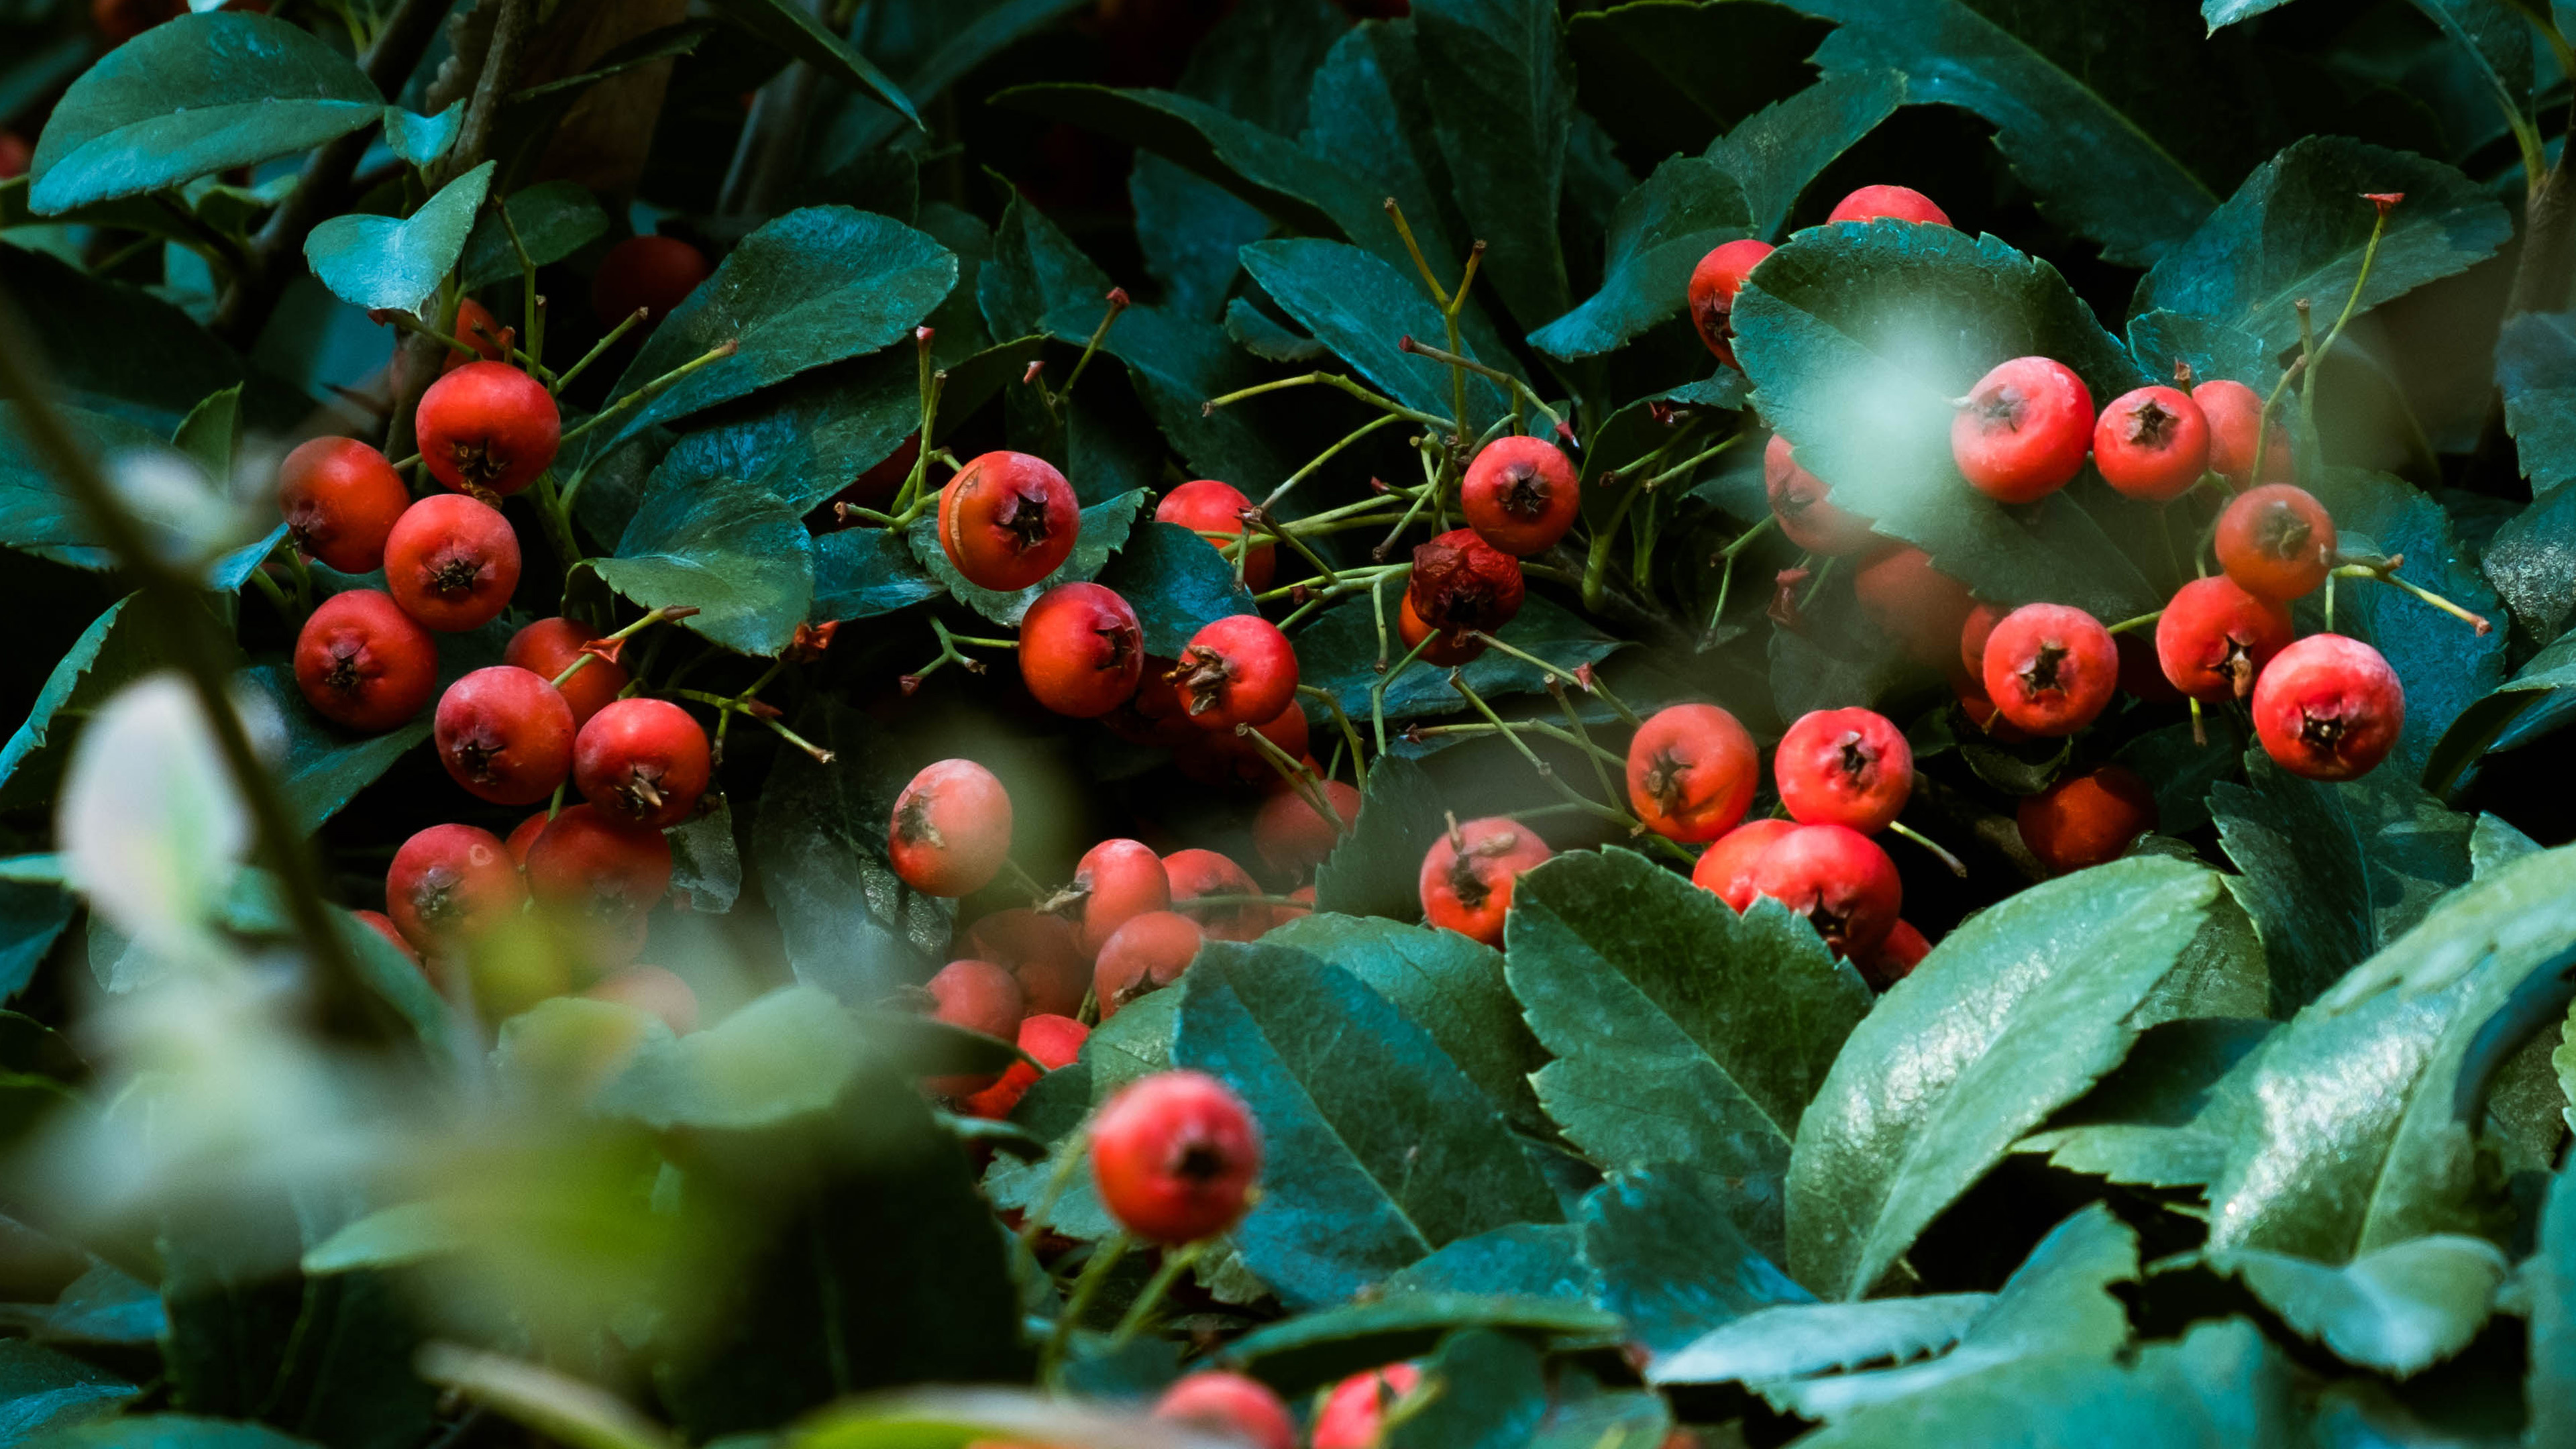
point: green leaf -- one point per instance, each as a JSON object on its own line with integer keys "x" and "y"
{"x": 1267, "y": 171}
{"x": 705, "y": 861}
{"x": 1368, "y": 118}
{"x": 1856, "y": 339}
{"x": 2149, "y": 1122}
{"x": 790, "y": 27}
{"x": 1493, "y": 1391}
{"x": 2221, "y": 13}
{"x": 102, "y": 1305}
{"x": 728, "y": 548}
{"x": 419, "y": 139}
{"x": 1189, "y": 230}
{"x": 2536, "y": 367}
{"x": 210, "y": 434}
{"x": 116, "y": 348}
{"x": 1314, "y": 1349}
{"x": 2160, "y": 339}
{"x": 1376, "y": 870}
{"x": 554, "y": 219}
{"x": 1803, "y": 1340}
{"x": 1380, "y": 1150}
{"x": 1683, "y": 1033}
{"x": 1645, "y": 71}
{"x": 1338, "y": 654}
{"x": 1658, "y": 234}
{"x": 2495, "y": 844}
{"x": 1670, "y": 1261}
{"x": 1501, "y": 88}
{"x": 114, "y": 651}
{"x": 789, "y": 1054}
{"x": 1360, "y": 306}
{"x": 1778, "y": 151}
{"x": 2298, "y": 228}
{"x": 2532, "y": 560}
{"x": 2333, "y": 872}
{"x": 41, "y": 1389}
{"x": 1526, "y": 1260}
{"x": 379, "y": 263}
{"x": 1134, "y": 1043}
{"x": 2013, "y": 1015}
{"x": 2497, "y": 39}
{"x": 2549, "y": 1282}
{"x": 1104, "y": 529}
{"x": 325, "y": 766}
{"x": 34, "y": 513}
{"x": 1176, "y": 584}
{"x": 32, "y": 917}
{"x": 860, "y": 573}
{"x": 2400, "y": 1310}
{"x": 201, "y": 94}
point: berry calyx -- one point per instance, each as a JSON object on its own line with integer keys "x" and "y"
{"x": 2329, "y": 708}
{"x": 1042, "y": 951}
{"x": 980, "y": 997}
{"x": 1236, "y": 670}
{"x": 1008, "y": 520}
{"x": 1725, "y": 869}
{"x": 549, "y": 646}
{"x": 1144, "y": 955}
{"x": 1206, "y": 506}
{"x": 1292, "y": 838}
{"x": 341, "y": 499}
{"x": 2152, "y": 444}
{"x": 605, "y": 874}
{"x": 449, "y": 883}
{"x": 1890, "y": 203}
{"x": 1838, "y": 879}
{"x": 1691, "y": 772}
{"x": 1520, "y": 495}
{"x": 1115, "y": 882}
{"x": 2051, "y": 668}
{"x": 1921, "y": 607}
{"x": 487, "y": 426}
{"x": 2022, "y": 431}
{"x": 651, "y": 274}
{"x": 2085, "y": 820}
{"x": 1468, "y": 874}
{"x": 363, "y": 663}
{"x": 1798, "y": 501}
{"x": 951, "y": 829}
{"x": 1460, "y": 582}
{"x": 451, "y": 562}
{"x": 1196, "y": 873}
{"x": 643, "y": 762}
{"x": 1243, "y": 1410}
{"x": 1354, "y": 1413}
{"x": 1082, "y": 651}
{"x": 505, "y": 735}
{"x": 2214, "y": 638}
{"x": 2276, "y": 542}
{"x": 1174, "y": 1157}
{"x": 1714, "y": 285}
{"x": 1844, "y": 767}
{"x": 1054, "y": 1039}
{"x": 2235, "y": 414}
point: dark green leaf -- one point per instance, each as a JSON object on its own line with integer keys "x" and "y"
{"x": 1501, "y": 88}
{"x": 1258, "y": 333}
{"x": 1783, "y": 147}
{"x": 1644, "y": 67}
{"x": 2013, "y": 1015}
{"x": 554, "y": 219}
{"x": 2221, "y": 13}
{"x": 1135, "y": 1042}
{"x": 1374, "y": 871}
{"x": 210, "y": 434}
{"x": 380, "y": 263}
{"x": 2497, "y": 38}
{"x": 2536, "y": 367}
{"x": 41, "y": 1389}
{"x": 121, "y": 349}
{"x": 2532, "y": 559}
{"x": 1314, "y": 1349}
{"x": 1190, "y": 230}
{"x": 114, "y": 651}
{"x": 32, "y": 917}
{"x": 1659, "y": 233}
{"x": 2530, "y": 703}
{"x": 2160, "y": 339}
{"x": 705, "y": 861}
{"x": 728, "y": 548}
{"x": 2181, "y": 769}
{"x": 1493, "y": 1391}
{"x": 1176, "y": 583}
{"x": 860, "y": 573}
{"x": 1338, "y": 654}
{"x": 1525, "y": 1260}
{"x": 1669, "y": 1258}
{"x": 789, "y": 1054}
{"x": 102, "y": 1305}
{"x": 1361, "y": 306}
{"x": 792, "y": 28}
{"x": 325, "y": 766}
{"x": 1104, "y": 529}
{"x": 2549, "y": 1281}
{"x": 1801, "y": 1340}
{"x": 1367, "y": 117}
{"x": 2145, "y": 1122}
{"x": 2400, "y": 1309}
{"x": 1265, "y": 170}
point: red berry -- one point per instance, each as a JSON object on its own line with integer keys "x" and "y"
{"x": 450, "y": 882}
{"x": 1236, "y": 670}
{"x": 2022, "y": 433}
{"x": 1196, "y": 873}
{"x": 1217, "y": 757}
{"x": 2234, "y": 412}
{"x": 2051, "y": 668}
{"x": 363, "y": 663}
{"x": 653, "y": 991}
{"x": 1894, "y": 203}
{"x": 451, "y": 562}
{"x": 1008, "y": 520}
{"x": 951, "y": 830}
{"x": 980, "y": 997}
{"x": 2152, "y": 444}
{"x": 476, "y": 326}
{"x": 643, "y": 762}
{"x": 2084, "y": 820}
{"x": 1460, "y": 582}
{"x": 607, "y": 874}
{"x": 487, "y": 425}
{"x": 1973, "y": 635}
{"x": 341, "y": 499}
{"x": 1241, "y": 1410}
{"x": 1054, "y": 1039}
{"x": 1153, "y": 716}
{"x": 549, "y": 646}
{"x": 2276, "y": 542}
{"x": 2328, "y": 708}
{"x": 523, "y": 835}
{"x": 1082, "y": 652}
{"x": 1041, "y": 950}
{"x": 1725, "y": 869}
{"x": 15, "y": 154}
{"x": 1921, "y": 607}
{"x": 1691, "y": 772}
{"x": 383, "y": 925}
{"x": 1145, "y": 955}
{"x": 1292, "y": 838}
{"x": 1844, "y": 767}
{"x": 1117, "y": 880}
{"x": 2215, "y": 638}
{"x": 1355, "y": 1411}
{"x": 1468, "y": 873}
{"x": 1520, "y": 495}
{"x": 1446, "y": 651}
{"x": 1714, "y": 285}
{"x": 1206, "y": 506}
{"x": 505, "y": 735}
{"x": 1896, "y": 957}
{"x": 1838, "y": 879}
{"x": 650, "y": 274}
{"x": 1798, "y": 500}
{"x": 1174, "y": 1156}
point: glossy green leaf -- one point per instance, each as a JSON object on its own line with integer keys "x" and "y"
{"x": 1683, "y": 1033}
{"x": 2221, "y": 13}
{"x": 1316, "y": 1348}
{"x": 1368, "y": 117}
{"x": 1376, "y": 870}
{"x": 726, "y": 547}
{"x": 1669, "y": 1260}
{"x": 2150, "y": 1122}
{"x": 1176, "y": 583}
{"x": 1802, "y": 1340}
{"x": 860, "y": 573}
{"x": 2161, "y": 339}
{"x": 193, "y": 97}
{"x": 554, "y": 219}
{"x": 2536, "y": 367}
{"x": 1379, "y": 1148}
{"x": 1501, "y": 92}
{"x": 1493, "y": 1389}
{"x": 2549, "y": 1284}
{"x": 1777, "y": 151}
{"x": 2013, "y": 1015}
{"x": 2400, "y": 1309}
{"x": 1361, "y": 307}
{"x": 2496, "y": 36}
{"x": 34, "y": 513}
{"x": 1104, "y": 529}
{"x": 1643, "y": 67}
{"x": 1658, "y": 234}
{"x": 1135, "y": 1042}
{"x": 380, "y": 263}
{"x": 792, "y": 28}
{"x": 1525, "y": 1260}
{"x": 41, "y": 1389}
{"x": 1338, "y": 652}
{"x": 1190, "y": 230}
{"x": 116, "y": 348}
{"x": 419, "y": 139}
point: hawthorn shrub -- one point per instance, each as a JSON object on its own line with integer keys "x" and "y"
{"x": 1030, "y": 723}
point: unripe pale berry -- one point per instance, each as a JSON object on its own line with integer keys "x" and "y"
{"x": 1206, "y": 506}
{"x": 1520, "y": 495}
{"x": 1082, "y": 652}
{"x": 451, "y": 562}
{"x": 2329, "y": 708}
{"x": 1844, "y": 767}
{"x": 1236, "y": 670}
{"x": 1241, "y": 1409}
{"x": 980, "y": 997}
{"x": 1692, "y": 769}
{"x": 1714, "y": 285}
{"x": 1117, "y": 881}
{"x": 1893, "y": 203}
{"x": 2152, "y": 444}
{"x": 341, "y": 499}
{"x": 1725, "y": 869}
{"x": 2022, "y": 431}
{"x": 448, "y": 883}
{"x": 2051, "y": 668}
{"x": 1838, "y": 879}
{"x": 487, "y": 425}
{"x": 643, "y": 762}
{"x": 2276, "y": 542}
{"x": 1144, "y": 955}
{"x": 548, "y": 647}
{"x": 1042, "y": 951}
{"x": 1008, "y": 520}
{"x": 951, "y": 829}
{"x": 505, "y": 735}
{"x": 1799, "y": 501}
{"x": 1196, "y": 873}
{"x": 2085, "y": 820}
{"x": 362, "y": 662}
{"x": 1469, "y": 872}
{"x": 1174, "y": 1157}
{"x": 2214, "y": 638}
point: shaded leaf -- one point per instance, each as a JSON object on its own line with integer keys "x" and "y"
{"x": 1493, "y": 1390}
{"x": 1316, "y": 1348}
{"x": 1360, "y": 306}
{"x": 2536, "y": 367}
{"x": 326, "y": 766}
{"x": 860, "y": 573}
{"x": 1501, "y": 92}
{"x": 1658, "y": 234}
{"x": 420, "y": 139}
{"x": 1780, "y": 149}
{"x": 33, "y": 915}
{"x": 554, "y": 220}
{"x": 2548, "y": 1283}
{"x": 1525, "y": 1260}
{"x": 2532, "y": 559}
{"x": 1376, "y": 870}
{"x": 2400, "y": 1309}
{"x": 792, "y": 28}
{"x": 1338, "y": 653}
{"x": 1104, "y": 529}
{"x": 1801, "y": 1340}
{"x": 727, "y": 547}
{"x": 1669, "y": 1259}
{"x": 2149, "y": 1122}
{"x": 1176, "y": 583}
{"x": 102, "y": 1305}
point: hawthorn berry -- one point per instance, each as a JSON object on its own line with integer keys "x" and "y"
{"x": 1892, "y": 203}
{"x": 2276, "y": 542}
{"x": 1725, "y": 869}
{"x": 1145, "y": 955}
{"x": 523, "y": 835}
{"x": 451, "y": 562}
{"x": 549, "y": 646}
{"x": 608, "y": 875}
{"x": 1206, "y": 506}
{"x": 1041, "y": 950}
{"x": 1982, "y": 619}
{"x": 1153, "y": 716}
{"x": 1468, "y": 873}
{"x": 1714, "y": 285}
{"x": 1082, "y": 652}
{"x": 1217, "y": 757}
{"x": 1292, "y": 838}
{"x": 1691, "y": 772}
{"x": 341, "y": 499}
{"x": 1196, "y": 873}
{"x": 1444, "y": 650}
{"x": 1054, "y": 1039}
{"x": 1174, "y": 1156}
{"x": 2085, "y": 820}
{"x": 1460, "y": 582}
{"x": 1115, "y": 882}
{"x": 2050, "y": 668}
{"x": 1008, "y": 520}
{"x": 478, "y": 328}
{"x": 643, "y": 762}
{"x": 648, "y": 274}
{"x": 1838, "y": 879}
{"x": 383, "y": 925}
{"x": 1896, "y": 957}
{"x": 1236, "y": 670}
{"x": 951, "y": 829}
{"x": 2022, "y": 431}
{"x": 1844, "y": 767}
{"x": 1798, "y": 501}
{"x": 980, "y": 997}
{"x": 2152, "y": 444}
{"x": 450, "y": 882}
{"x": 653, "y": 990}
{"x": 1242, "y": 1410}
{"x": 505, "y": 735}
{"x": 2328, "y": 708}
{"x": 363, "y": 663}
{"x": 2214, "y": 638}
{"x": 1520, "y": 495}
{"x": 487, "y": 426}
{"x": 1919, "y": 606}
{"x": 2235, "y": 414}
{"x": 1354, "y": 1412}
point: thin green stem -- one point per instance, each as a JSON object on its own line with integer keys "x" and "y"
{"x": 625, "y": 324}
{"x": 1350, "y": 732}
{"x": 1404, "y": 229}
{"x": 1325, "y": 379}
{"x": 2352, "y": 300}
{"x": 715, "y": 354}
{"x": 1555, "y": 671}
{"x": 1175, "y": 1263}
{"x": 1592, "y": 753}
{"x": 1684, "y": 467}
{"x": 1117, "y": 306}
{"x": 1957, "y": 867}
{"x": 1377, "y": 691}
{"x": 2386, "y": 573}
{"x": 1095, "y": 1273}
{"x": 1464, "y": 363}
{"x": 1326, "y": 456}
{"x": 2140, "y": 622}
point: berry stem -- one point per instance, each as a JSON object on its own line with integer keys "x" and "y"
{"x": 1511, "y": 384}
{"x": 2140, "y": 622}
{"x": 1957, "y": 867}
{"x": 1693, "y": 462}
{"x": 1294, "y": 771}
{"x": 532, "y": 318}
{"x": 2352, "y": 300}
{"x": 715, "y": 354}
{"x": 1326, "y": 456}
{"x": 1350, "y": 733}
{"x": 1068, "y": 1162}
{"x": 1377, "y": 691}
{"x": 1475, "y": 701}
{"x": 1324, "y": 379}
{"x": 1117, "y": 300}
{"x": 1591, "y": 752}
{"x": 555, "y": 512}
{"x": 1175, "y": 1262}
{"x": 1095, "y": 1272}
{"x": 656, "y": 616}
{"x": 1592, "y": 685}
{"x": 1534, "y": 726}
{"x": 625, "y": 324}
{"x": 735, "y": 704}
{"x": 1404, "y": 229}
{"x": 2386, "y": 572}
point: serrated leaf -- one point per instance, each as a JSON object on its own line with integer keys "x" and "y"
{"x": 724, "y": 546}
{"x": 705, "y": 861}
{"x": 2400, "y": 1309}
{"x": 1501, "y": 92}
{"x": 1316, "y": 1348}
{"x": 1135, "y": 1042}
{"x": 2148, "y": 1122}
{"x": 1777, "y": 151}
{"x": 554, "y": 220}
{"x": 860, "y": 573}
{"x": 1338, "y": 654}
{"x": 1375, "y": 870}
{"x": 2532, "y": 559}
{"x": 1658, "y": 234}
{"x": 1176, "y": 583}
{"x": 33, "y": 915}
{"x": 1104, "y": 530}
{"x": 1669, "y": 1260}
{"x": 378, "y": 263}
{"x": 1800, "y": 1340}
{"x": 1493, "y": 1389}
{"x": 790, "y": 27}
{"x": 2014, "y": 1014}
{"x": 1360, "y": 306}
{"x": 1525, "y": 1260}
{"x": 2536, "y": 367}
